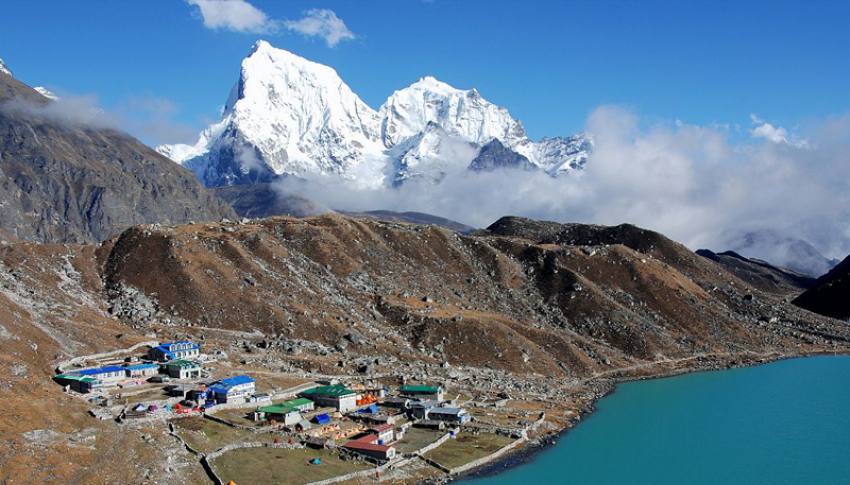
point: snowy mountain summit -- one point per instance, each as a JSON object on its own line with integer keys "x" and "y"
{"x": 4, "y": 69}
{"x": 290, "y": 116}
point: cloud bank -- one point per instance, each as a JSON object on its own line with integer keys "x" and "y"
{"x": 241, "y": 16}
{"x": 699, "y": 185}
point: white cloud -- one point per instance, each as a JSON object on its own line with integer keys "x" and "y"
{"x": 321, "y": 22}
{"x": 775, "y": 134}
{"x": 235, "y": 15}
{"x": 695, "y": 184}
{"x": 149, "y": 118}
{"x": 241, "y": 16}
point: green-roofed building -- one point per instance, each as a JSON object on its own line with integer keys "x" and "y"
{"x": 81, "y": 384}
{"x": 435, "y": 393}
{"x": 336, "y": 396}
{"x": 183, "y": 369}
{"x": 286, "y": 412}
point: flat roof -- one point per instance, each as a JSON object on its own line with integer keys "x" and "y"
{"x": 71, "y": 377}
{"x": 336, "y": 390}
{"x": 360, "y": 445}
{"x": 101, "y": 370}
{"x": 182, "y": 363}
{"x": 277, "y": 409}
{"x": 147, "y": 365}
{"x": 446, "y": 411}
{"x": 232, "y": 381}
{"x": 420, "y": 389}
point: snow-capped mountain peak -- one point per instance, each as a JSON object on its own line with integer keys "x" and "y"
{"x": 287, "y": 115}
{"x": 461, "y": 113}
{"x": 4, "y": 69}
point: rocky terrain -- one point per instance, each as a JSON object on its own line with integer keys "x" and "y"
{"x": 64, "y": 179}
{"x": 523, "y": 308}
{"x": 829, "y": 294}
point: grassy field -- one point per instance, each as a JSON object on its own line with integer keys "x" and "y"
{"x": 467, "y": 447}
{"x": 207, "y": 436}
{"x": 267, "y": 466}
{"x": 238, "y": 416}
{"x": 417, "y": 438}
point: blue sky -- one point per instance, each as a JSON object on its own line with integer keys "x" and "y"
{"x": 549, "y": 62}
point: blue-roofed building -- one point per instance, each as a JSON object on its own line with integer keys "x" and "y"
{"x": 174, "y": 350}
{"x": 231, "y": 389}
{"x": 142, "y": 370}
{"x": 107, "y": 374}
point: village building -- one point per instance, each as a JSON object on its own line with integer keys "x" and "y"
{"x": 384, "y": 432}
{"x": 231, "y": 389}
{"x": 396, "y": 402}
{"x": 449, "y": 415}
{"x": 142, "y": 371}
{"x": 336, "y": 396}
{"x": 420, "y": 409}
{"x": 109, "y": 374}
{"x": 167, "y": 351}
{"x": 287, "y": 412}
{"x": 183, "y": 369}
{"x": 422, "y": 392}
{"x": 81, "y": 384}
{"x": 367, "y": 445}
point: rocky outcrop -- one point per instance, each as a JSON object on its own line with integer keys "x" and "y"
{"x": 829, "y": 296}
{"x": 494, "y": 155}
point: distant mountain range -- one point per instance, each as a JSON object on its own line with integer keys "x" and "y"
{"x": 289, "y": 116}
{"x": 782, "y": 249}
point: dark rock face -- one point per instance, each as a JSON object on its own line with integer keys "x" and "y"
{"x": 495, "y": 156}
{"x": 263, "y": 200}
{"x": 62, "y": 181}
{"x": 831, "y": 293}
{"x": 760, "y": 274}
{"x": 225, "y": 164}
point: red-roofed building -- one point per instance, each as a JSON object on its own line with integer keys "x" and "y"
{"x": 385, "y": 432}
{"x": 368, "y": 445}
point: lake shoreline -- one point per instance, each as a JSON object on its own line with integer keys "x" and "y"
{"x": 528, "y": 453}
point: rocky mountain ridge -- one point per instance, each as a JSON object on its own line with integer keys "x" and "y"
{"x": 62, "y": 180}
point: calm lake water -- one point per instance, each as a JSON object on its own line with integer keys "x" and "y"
{"x": 782, "y": 423}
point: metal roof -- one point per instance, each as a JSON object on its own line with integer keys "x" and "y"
{"x": 360, "y": 445}
{"x": 101, "y": 370}
{"x": 182, "y": 363}
{"x": 277, "y": 409}
{"x": 142, "y": 366}
{"x": 71, "y": 377}
{"x": 233, "y": 381}
{"x": 420, "y": 389}
{"x": 335, "y": 391}
{"x": 457, "y": 411}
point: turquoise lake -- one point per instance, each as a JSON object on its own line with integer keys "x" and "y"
{"x": 786, "y": 422}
